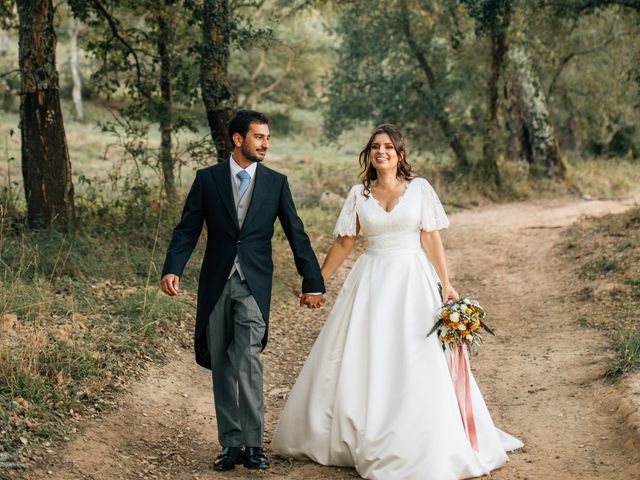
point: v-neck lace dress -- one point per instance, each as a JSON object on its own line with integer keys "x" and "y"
{"x": 375, "y": 393}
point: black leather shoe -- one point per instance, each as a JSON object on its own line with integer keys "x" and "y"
{"x": 228, "y": 459}
{"x": 255, "y": 458}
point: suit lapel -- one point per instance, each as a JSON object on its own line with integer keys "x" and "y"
{"x": 223, "y": 182}
{"x": 260, "y": 188}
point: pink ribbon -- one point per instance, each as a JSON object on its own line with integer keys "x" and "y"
{"x": 459, "y": 369}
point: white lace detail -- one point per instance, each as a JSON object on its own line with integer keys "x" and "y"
{"x": 433, "y": 216}
{"x": 346, "y": 224}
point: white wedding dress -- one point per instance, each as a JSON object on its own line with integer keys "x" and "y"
{"x": 375, "y": 393}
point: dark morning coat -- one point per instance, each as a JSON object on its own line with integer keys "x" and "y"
{"x": 210, "y": 201}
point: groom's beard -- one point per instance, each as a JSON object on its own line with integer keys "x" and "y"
{"x": 252, "y": 155}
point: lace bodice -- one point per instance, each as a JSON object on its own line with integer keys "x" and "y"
{"x": 418, "y": 208}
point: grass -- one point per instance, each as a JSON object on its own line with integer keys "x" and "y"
{"x": 614, "y": 309}
{"x": 626, "y": 346}
{"x": 599, "y": 267}
{"x": 79, "y": 313}
{"x": 603, "y": 178}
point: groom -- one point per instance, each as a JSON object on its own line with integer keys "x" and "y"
{"x": 239, "y": 200}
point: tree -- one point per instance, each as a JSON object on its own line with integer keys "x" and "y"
{"x": 46, "y": 166}
{"x": 149, "y": 65}
{"x": 439, "y": 112}
{"x": 164, "y": 38}
{"x": 214, "y": 75}
{"x": 594, "y": 86}
{"x": 281, "y": 57}
{"x": 531, "y": 118}
{"x": 155, "y": 62}
{"x": 406, "y": 75}
{"x": 492, "y": 19}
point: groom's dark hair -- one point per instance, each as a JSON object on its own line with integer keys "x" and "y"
{"x": 242, "y": 120}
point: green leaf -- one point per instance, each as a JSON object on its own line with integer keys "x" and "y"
{"x": 435, "y": 327}
{"x": 487, "y": 329}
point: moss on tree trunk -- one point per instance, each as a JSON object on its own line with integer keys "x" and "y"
{"x": 536, "y": 140}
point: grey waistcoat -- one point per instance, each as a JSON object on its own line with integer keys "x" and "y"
{"x": 242, "y": 205}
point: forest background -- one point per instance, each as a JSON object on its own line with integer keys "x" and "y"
{"x": 109, "y": 106}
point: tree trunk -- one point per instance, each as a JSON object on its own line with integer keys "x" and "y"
{"x": 569, "y": 139}
{"x": 46, "y": 167}
{"x": 533, "y": 128}
{"x": 517, "y": 144}
{"x": 166, "y": 103}
{"x": 75, "y": 72}
{"x": 488, "y": 166}
{"x": 214, "y": 82}
{"x": 440, "y": 114}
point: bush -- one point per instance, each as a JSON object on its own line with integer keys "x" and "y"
{"x": 623, "y": 143}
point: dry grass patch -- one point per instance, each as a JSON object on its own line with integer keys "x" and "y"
{"x": 607, "y": 251}
{"x": 80, "y": 316}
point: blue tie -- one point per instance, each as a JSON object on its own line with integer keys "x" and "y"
{"x": 245, "y": 180}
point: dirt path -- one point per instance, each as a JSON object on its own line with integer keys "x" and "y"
{"x": 542, "y": 386}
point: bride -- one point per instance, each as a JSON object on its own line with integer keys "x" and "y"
{"x": 375, "y": 392}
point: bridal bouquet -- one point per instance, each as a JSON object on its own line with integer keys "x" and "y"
{"x": 460, "y": 323}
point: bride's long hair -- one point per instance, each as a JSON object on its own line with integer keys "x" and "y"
{"x": 369, "y": 172}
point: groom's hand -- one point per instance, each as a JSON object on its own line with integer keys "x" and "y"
{"x": 311, "y": 301}
{"x": 170, "y": 284}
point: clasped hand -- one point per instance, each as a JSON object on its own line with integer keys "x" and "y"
{"x": 170, "y": 284}
{"x": 311, "y": 301}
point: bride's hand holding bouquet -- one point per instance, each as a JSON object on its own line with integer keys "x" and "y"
{"x": 449, "y": 293}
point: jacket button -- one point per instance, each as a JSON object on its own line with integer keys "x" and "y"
{"x": 238, "y": 242}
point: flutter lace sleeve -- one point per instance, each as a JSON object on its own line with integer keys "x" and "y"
{"x": 346, "y": 224}
{"x": 433, "y": 216}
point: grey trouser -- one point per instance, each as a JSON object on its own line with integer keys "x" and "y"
{"x": 234, "y": 337}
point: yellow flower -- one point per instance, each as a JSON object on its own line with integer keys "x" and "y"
{"x": 468, "y": 310}
{"x": 453, "y": 325}
{"x": 445, "y": 314}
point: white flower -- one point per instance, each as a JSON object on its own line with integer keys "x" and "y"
{"x": 461, "y": 326}
{"x": 455, "y": 316}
